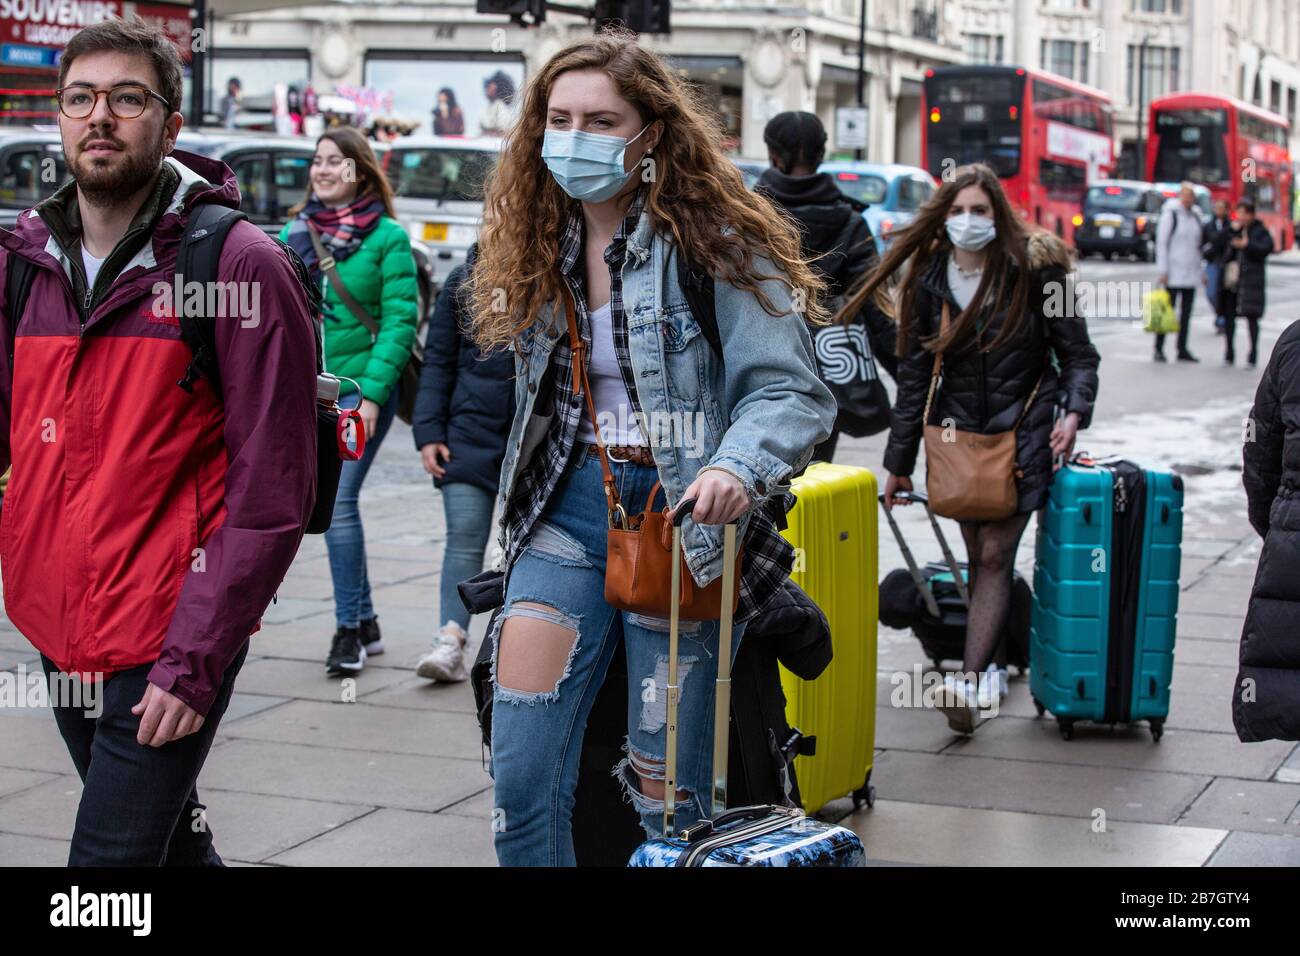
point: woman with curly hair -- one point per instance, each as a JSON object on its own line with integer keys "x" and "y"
{"x": 610, "y": 174}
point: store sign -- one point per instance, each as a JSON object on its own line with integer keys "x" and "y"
{"x": 52, "y": 23}
{"x": 11, "y": 54}
{"x": 851, "y": 127}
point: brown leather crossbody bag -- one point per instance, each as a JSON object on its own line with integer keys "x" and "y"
{"x": 969, "y": 476}
{"x": 638, "y": 560}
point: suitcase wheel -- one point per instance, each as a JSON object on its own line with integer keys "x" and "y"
{"x": 1066, "y": 726}
{"x": 865, "y": 795}
{"x": 1038, "y": 706}
{"x": 1157, "y": 728}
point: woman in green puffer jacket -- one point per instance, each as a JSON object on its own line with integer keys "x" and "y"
{"x": 349, "y": 214}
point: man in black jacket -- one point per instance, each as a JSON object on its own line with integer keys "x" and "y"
{"x": 1266, "y": 698}
{"x": 836, "y": 238}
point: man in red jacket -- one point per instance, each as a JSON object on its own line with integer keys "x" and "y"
{"x": 146, "y": 527}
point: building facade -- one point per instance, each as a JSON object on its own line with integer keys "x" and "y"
{"x": 754, "y": 58}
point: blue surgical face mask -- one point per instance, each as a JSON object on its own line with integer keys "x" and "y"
{"x": 971, "y": 232}
{"x": 588, "y": 166}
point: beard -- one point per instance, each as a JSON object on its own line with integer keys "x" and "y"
{"x": 115, "y": 180}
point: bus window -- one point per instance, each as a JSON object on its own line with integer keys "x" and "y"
{"x": 1063, "y": 181}
{"x": 1191, "y": 146}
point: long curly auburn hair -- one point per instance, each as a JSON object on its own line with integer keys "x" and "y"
{"x": 696, "y": 195}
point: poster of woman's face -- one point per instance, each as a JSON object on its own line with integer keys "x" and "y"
{"x": 451, "y": 97}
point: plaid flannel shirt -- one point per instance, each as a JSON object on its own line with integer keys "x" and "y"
{"x": 768, "y": 557}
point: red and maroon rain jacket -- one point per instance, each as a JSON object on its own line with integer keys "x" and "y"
{"x": 144, "y": 524}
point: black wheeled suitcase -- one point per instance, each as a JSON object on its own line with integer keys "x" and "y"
{"x": 933, "y": 600}
{"x": 763, "y": 835}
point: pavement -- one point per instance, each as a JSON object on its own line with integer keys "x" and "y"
{"x": 308, "y": 771}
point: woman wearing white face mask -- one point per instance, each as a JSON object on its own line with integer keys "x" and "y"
{"x": 991, "y": 297}
{"x": 612, "y": 192}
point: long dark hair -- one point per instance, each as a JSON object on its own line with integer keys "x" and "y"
{"x": 1005, "y": 282}
{"x": 370, "y": 177}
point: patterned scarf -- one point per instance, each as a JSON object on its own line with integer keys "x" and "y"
{"x": 342, "y": 229}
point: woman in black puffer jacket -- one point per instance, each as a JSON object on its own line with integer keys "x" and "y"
{"x": 1266, "y": 699}
{"x": 1012, "y": 309}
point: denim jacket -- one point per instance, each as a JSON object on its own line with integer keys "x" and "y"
{"x": 758, "y": 418}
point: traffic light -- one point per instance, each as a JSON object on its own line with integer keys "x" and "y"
{"x": 640, "y": 16}
{"x": 515, "y": 9}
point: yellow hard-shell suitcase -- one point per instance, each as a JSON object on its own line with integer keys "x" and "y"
{"x": 833, "y": 529}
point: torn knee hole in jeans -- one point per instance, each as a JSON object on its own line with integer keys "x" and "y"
{"x": 539, "y": 648}
{"x": 639, "y": 773}
{"x": 654, "y": 692}
{"x": 549, "y": 543}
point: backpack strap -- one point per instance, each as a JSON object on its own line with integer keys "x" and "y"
{"x": 198, "y": 261}
{"x": 20, "y": 273}
{"x": 697, "y": 284}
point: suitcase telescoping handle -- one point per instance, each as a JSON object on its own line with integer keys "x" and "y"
{"x": 924, "y": 586}
{"x": 722, "y": 703}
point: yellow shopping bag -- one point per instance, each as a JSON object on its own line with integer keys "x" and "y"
{"x": 1158, "y": 313}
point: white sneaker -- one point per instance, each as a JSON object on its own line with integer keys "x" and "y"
{"x": 446, "y": 661}
{"x": 958, "y": 700}
{"x": 993, "y": 677}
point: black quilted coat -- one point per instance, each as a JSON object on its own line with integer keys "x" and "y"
{"x": 986, "y": 392}
{"x": 1266, "y": 699}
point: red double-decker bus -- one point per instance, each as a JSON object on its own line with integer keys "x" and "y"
{"x": 1237, "y": 150}
{"x": 1047, "y": 137}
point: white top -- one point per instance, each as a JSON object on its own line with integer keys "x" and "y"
{"x": 1178, "y": 248}
{"x": 91, "y": 265}
{"x": 608, "y": 394}
{"x": 963, "y": 286}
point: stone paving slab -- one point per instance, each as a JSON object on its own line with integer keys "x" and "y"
{"x": 275, "y": 678}
{"x": 20, "y": 849}
{"x": 1018, "y": 785}
{"x": 399, "y": 838}
{"x": 958, "y": 836}
{"x": 14, "y": 781}
{"x": 1210, "y": 627}
{"x": 46, "y": 810}
{"x": 359, "y": 727}
{"x": 416, "y": 693}
{"x": 1254, "y": 805}
{"x": 33, "y": 744}
{"x": 1289, "y": 772}
{"x": 1179, "y": 751}
{"x": 1197, "y": 650}
{"x": 252, "y": 827}
{"x": 1209, "y": 712}
{"x": 243, "y": 705}
{"x": 1257, "y": 849}
{"x": 345, "y": 776}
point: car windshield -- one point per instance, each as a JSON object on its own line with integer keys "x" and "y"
{"x": 1113, "y": 197}
{"x": 863, "y": 187}
{"x": 439, "y": 172}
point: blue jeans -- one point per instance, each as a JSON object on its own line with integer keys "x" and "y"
{"x": 537, "y": 737}
{"x": 468, "y": 510}
{"x": 346, "y": 539}
{"x": 1214, "y": 279}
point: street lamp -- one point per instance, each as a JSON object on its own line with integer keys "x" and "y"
{"x": 1142, "y": 107}
{"x": 860, "y": 153}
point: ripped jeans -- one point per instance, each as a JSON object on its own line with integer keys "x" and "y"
{"x": 559, "y": 577}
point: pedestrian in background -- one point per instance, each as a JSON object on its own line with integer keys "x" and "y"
{"x": 1266, "y": 697}
{"x": 349, "y": 218}
{"x": 1242, "y": 250}
{"x": 461, "y": 422}
{"x": 977, "y": 289}
{"x": 835, "y": 238}
{"x": 230, "y": 102}
{"x": 1178, "y": 262}
{"x": 1213, "y": 268}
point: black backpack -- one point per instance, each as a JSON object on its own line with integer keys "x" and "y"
{"x": 197, "y": 261}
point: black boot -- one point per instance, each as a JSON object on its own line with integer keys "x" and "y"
{"x": 370, "y": 638}
{"x": 347, "y": 656}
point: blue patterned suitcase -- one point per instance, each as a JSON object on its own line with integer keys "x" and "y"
{"x": 743, "y": 836}
{"x": 1106, "y": 595}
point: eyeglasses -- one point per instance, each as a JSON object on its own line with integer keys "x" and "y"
{"x": 126, "y": 101}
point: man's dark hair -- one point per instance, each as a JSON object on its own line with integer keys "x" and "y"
{"x": 1247, "y": 205}
{"x": 132, "y": 35}
{"x": 797, "y": 139}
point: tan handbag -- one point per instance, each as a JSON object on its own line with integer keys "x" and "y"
{"x": 969, "y": 476}
{"x": 639, "y": 547}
